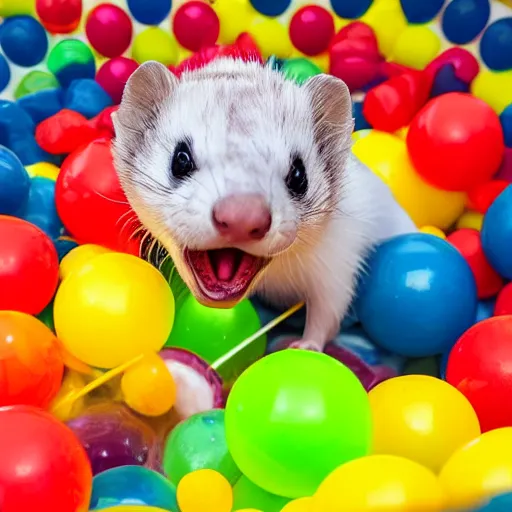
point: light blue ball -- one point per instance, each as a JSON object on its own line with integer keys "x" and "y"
{"x": 497, "y": 234}
{"x": 500, "y": 503}
{"x": 417, "y": 296}
{"x": 14, "y": 183}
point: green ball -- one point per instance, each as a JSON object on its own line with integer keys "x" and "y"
{"x": 248, "y": 495}
{"x": 199, "y": 442}
{"x": 300, "y": 69}
{"x": 46, "y": 316}
{"x": 35, "y": 81}
{"x": 71, "y": 59}
{"x": 211, "y": 332}
{"x": 295, "y": 416}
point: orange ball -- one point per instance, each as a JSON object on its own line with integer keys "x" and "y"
{"x": 31, "y": 364}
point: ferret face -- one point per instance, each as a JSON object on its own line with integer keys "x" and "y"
{"x": 231, "y": 166}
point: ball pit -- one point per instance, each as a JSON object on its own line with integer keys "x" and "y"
{"x": 120, "y": 392}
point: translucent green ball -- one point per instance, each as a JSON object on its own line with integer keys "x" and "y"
{"x": 300, "y": 69}
{"x": 35, "y": 81}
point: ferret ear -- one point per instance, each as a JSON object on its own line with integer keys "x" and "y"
{"x": 146, "y": 89}
{"x": 332, "y": 110}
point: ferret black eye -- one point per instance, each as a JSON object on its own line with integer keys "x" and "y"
{"x": 182, "y": 162}
{"x": 297, "y": 181}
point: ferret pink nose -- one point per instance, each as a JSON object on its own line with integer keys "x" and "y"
{"x": 242, "y": 218}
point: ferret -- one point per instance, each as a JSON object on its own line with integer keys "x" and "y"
{"x": 249, "y": 182}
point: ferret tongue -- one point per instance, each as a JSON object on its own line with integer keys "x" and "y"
{"x": 224, "y": 263}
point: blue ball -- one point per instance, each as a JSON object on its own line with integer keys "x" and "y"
{"x": 64, "y": 246}
{"x": 5, "y": 73}
{"x": 43, "y": 104}
{"x": 14, "y": 183}
{"x": 271, "y": 7}
{"x": 357, "y": 113}
{"x": 87, "y": 97}
{"x": 446, "y": 81}
{"x": 500, "y": 503}
{"x": 24, "y": 40}
{"x": 497, "y": 234}
{"x": 496, "y": 45}
{"x": 127, "y": 485}
{"x": 350, "y": 9}
{"x": 421, "y": 11}
{"x": 463, "y": 20}
{"x": 418, "y": 295}
{"x": 149, "y": 12}
{"x": 40, "y": 208}
{"x": 506, "y": 124}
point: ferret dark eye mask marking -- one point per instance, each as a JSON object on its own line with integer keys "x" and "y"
{"x": 182, "y": 163}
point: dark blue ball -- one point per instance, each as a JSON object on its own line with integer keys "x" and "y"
{"x": 5, "y": 73}
{"x": 271, "y": 7}
{"x": 500, "y": 503}
{"x": 149, "y": 12}
{"x": 496, "y": 45}
{"x": 64, "y": 246}
{"x": 350, "y": 9}
{"x": 14, "y": 183}
{"x": 24, "y": 40}
{"x": 357, "y": 113}
{"x": 446, "y": 81}
{"x": 506, "y": 125}
{"x": 421, "y": 11}
{"x": 463, "y": 20}
{"x": 43, "y": 104}
{"x": 86, "y": 97}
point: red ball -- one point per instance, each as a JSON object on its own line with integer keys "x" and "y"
{"x": 109, "y": 30}
{"x": 89, "y": 198}
{"x": 480, "y": 367}
{"x": 44, "y": 467}
{"x": 59, "y": 16}
{"x": 482, "y": 196}
{"x": 311, "y": 29}
{"x": 503, "y": 304}
{"x": 456, "y": 142}
{"x": 114, "y": 74}
{"x": 196, "y": 25}
{"x": 29, "y": 269}
{"x": 469, "y": 244}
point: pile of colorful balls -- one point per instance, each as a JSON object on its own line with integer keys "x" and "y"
{"x": 120, "y": 392}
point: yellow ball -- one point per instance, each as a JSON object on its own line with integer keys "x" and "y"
{"x": 43, "y": 170}
{"x": 387, "y": 156}
{"x": 300, "y": 505}
{"x": 78, "y": 257}
{"x": 116, "y": 307}
{"x": 432, "y": 230}
{"x": 148, "y": 387}
{"x": 234, "y": 16}
{"x": 204, "y": 490}
{"x": 479, "y": 470}
{"x": 153, "y": 43}
{"x": 248, "y": 510}
{"x": 16, "y": 7}
{"x": 416, "y": 46}
{"x": 379, "y": 483}
{"x": 72, "y": 382}
{"x": 421, "y": 418}
{"x": 271, "y": 36}
{"x": 494, "y": 87}
{"x": 470, "y": 219}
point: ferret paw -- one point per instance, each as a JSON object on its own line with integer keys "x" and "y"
{"x": 314, "y": 346}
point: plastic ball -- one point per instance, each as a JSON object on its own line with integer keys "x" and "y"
{"x": 456, "y": 142}
{"x": 271, "y": 37}
{"x": 421, "y": 418}
{"x": 350, "y": 9}
{"x": 496, "y": 45}
{"x": 482, "y": 196}
{"x": 504, "y": 301}
{"x": 499, "y": 503}
{"x": 134, "y": 508}
{"x": 495, "y": 88}
{"x": 59, "y": 16}
{"x": 416, "y": 46}
{"x": 128, "y": 485}
{"x": 30, "y": 262}
{"x": 199, "y": 442}
{"x": 273, "y": 394}
{"x": 153, "y": 43}
{"x": 116, "y": 297}
{"x": 149, "y": 12}
{"x": 31, "y": 364}
{"x": 71, "y": 59}
{"x": 109, "y": 30}
{"x": 414, "y": 273}
{"x": 506, "y": 124}
{"x": 463, "y": 20}
{"x": 432, "y": 230}
{"x": 484, "y": 354}
{"x": 196, "y": 25}
{"x": 470, "y": 220}
{"x": 43, "y": 170}
{"x": 14, "y": 183}
{"x": 234, "y": 17}
{"x": 5, "y": 73}
{"x": 205, "y": 489}
{"x": 479, "y": 470}
{"x": 44, "y": 467}
{"x": 300, "y": 505}
{"x": 35, "y": 81}
{"x": 148, "y": 387}
{"x": 421, "y": 12}
{"x": 16, "y": 7}
{"x": 311, "y": 29}
{"x": 468, "y": 242}
{"x": 223, "y": 328}
{"x": 271, "y": 7}
{"x": 78, "y": 257}
{"x": 300, "y": 70}
{"x": 114, "y": 74}
{"x": 497, "y": 233}
{"x": 248, "y": 495}
{"x": 23, "y": 40}
{"x": 377, "y": 483}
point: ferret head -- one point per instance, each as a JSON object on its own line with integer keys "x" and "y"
{"x": 230, "y": 166}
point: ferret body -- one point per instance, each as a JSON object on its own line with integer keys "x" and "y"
{"x": 248, "y": 180}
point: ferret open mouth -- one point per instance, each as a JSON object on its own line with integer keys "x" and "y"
{"x": 223, "y": 275}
